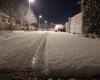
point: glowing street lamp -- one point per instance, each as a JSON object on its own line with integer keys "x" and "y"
{"x": 40, "y": 17}
{"x": 31, "y": 1}
{"x": 51, "y": 25}
{"x": 45, "y": 24}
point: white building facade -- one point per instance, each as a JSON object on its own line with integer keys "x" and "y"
{"x": 76, "y": 24}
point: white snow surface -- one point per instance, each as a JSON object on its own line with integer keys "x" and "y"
{"x": 17, "y": 49}
{"x": 68, "y": 54}
{"x": 65, "y": 53}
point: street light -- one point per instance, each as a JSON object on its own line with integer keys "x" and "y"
{"x": 45, "y": 23}
{"x": 40, "y": 17}
{"x": 51, "y": 24}
{"x": 31, "y": 1}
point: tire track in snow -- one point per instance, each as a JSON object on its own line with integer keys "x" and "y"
{"x": 29, "y": 72}
{"x": 39, "y": 60}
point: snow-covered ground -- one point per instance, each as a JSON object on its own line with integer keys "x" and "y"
{"x": 60, "y": 54}
{"x": 72, "y": 55}
{"x": 17, "y": 53}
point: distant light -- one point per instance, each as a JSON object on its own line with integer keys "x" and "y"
{"x": 40, "y": 16}
{"x": 51, "y": 23}
{"x": 45, "y": 22}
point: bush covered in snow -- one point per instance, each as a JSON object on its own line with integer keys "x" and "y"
{"x": 91, "y": 16}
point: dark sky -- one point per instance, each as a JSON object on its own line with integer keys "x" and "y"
{"x": 56, "y": 11}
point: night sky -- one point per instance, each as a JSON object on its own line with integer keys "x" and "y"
{"x": 56, "y": 11}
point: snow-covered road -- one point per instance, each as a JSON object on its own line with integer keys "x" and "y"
{"x": 72, "y": 55}
{"x": 26, "y": 55}
{"x": 17, "y": 54}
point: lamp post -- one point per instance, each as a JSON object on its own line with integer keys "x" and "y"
{"x": 29, "y": 10}
{"x": 31, "y": 1}
{"x": 45, "y": 24}
{"x": 40, "y": 17}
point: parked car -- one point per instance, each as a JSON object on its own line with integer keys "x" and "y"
{"x": 59, "y": 27}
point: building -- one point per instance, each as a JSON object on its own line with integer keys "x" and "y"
{"x": 16, "y": 18}
{"x": 4, "y": 21}
{"x": 75, "y": 24}
{"x": 12, "y": 23}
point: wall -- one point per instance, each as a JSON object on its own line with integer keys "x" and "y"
{"x": 76, "y": 24}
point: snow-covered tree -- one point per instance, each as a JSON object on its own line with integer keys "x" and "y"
{"x": 30, "y": 17}
{"x": 17, "y": 9}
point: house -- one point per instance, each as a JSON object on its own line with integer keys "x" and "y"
{"x": 4, "y": 21}
{"x": 16, "y": 23}
{"x": 74, "y": 25}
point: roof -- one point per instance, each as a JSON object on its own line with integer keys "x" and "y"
{"x": 3, "y": 14}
